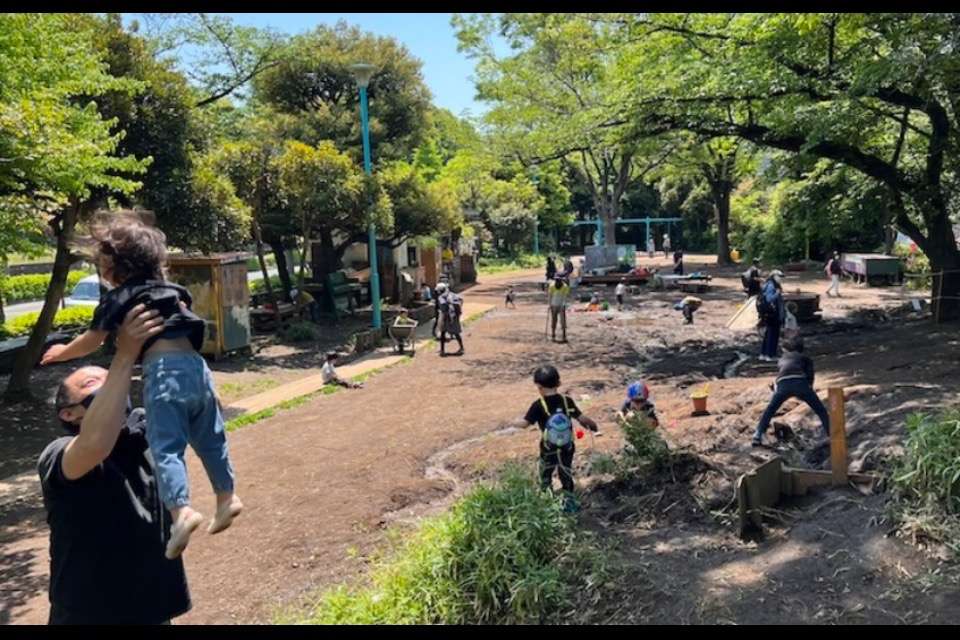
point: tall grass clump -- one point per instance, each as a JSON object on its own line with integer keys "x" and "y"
{"x": 926, "y": 479}
{"x": 504, "y": 553}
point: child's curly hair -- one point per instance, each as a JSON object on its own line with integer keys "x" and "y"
{"x": 135, "y": 249}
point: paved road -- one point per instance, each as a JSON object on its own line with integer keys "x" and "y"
{"x": 14, "y": 310}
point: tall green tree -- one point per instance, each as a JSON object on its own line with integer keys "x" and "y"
{"x": 551, "y": 101}
{"x": 877, "y": 92}
{"x": 57, "y": 149}
{"x": 313, "y": 83}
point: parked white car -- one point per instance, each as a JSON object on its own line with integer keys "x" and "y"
{"x": 86, "y": 293}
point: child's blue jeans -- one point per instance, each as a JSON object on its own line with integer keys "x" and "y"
{"x": 182, "y": 409}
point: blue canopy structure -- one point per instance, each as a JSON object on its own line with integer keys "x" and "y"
{"x": 646, "y": 221}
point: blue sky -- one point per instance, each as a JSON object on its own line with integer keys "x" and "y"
{"x": 428, "y": 36}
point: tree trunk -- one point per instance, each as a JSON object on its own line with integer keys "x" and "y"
{"x": 721, "y": 205}
{"x": 940, "y": 246}
{"x": 266, "y": 275}
{"x": 18, "y": 388}
{"x": 280, "y": 254}
{"x": 327, "y": 259}
{"x": 945, "y": 265}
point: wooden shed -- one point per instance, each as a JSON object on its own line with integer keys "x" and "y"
{"x": 221, "y": 296}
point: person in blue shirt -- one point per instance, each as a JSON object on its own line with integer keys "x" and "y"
{"x": 772, "y": 315}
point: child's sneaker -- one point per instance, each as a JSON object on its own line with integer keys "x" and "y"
{"x": 225, "y": 515}
{"x": 180, "y": 532}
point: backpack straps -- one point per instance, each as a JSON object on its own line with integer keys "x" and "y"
{"x": 546, "y": 409}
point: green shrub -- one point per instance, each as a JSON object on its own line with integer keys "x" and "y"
{"x": 30, "y": 287}
{"x": 301, "y": 332}
{"x": 519, "y": 262}
{"x": 916, "y": 264}
{"x": 926, "y": 479}
{"x": 644, "y": 448}
{"x": 258, "y": 286}
{"x": 930, "y": 468}
{"x": 504, "y": 553}
{"x": 72, "y": 318}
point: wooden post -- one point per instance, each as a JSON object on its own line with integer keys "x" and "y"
{"x": 838, "y": 437}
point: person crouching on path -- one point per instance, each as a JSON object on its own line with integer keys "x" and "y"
{"x": 794, "y": 380}
{"x": 557, "y": 296}
{"x": 688, "y": 306}
{"x": 554, "y": 414}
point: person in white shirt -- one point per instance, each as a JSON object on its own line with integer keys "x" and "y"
{"x": 666, "y": 245}
{"x": 329, "y": 374}
{"x": 651, "y": 247}
{"x": 621, "y": 291}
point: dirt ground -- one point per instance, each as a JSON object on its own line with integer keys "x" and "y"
{"x": 325, "y": 480}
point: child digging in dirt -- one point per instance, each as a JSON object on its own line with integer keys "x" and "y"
{"x": 638, "y": 403}
{"x": 794, "y": 380}
{"x": 180, "y": 400}
{"x": 554, "y": 413}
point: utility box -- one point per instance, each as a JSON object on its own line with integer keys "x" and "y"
{"x": 221, "y": 296}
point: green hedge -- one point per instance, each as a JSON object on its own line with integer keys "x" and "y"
{"x": 72, "y": 318}
{"x": 29, "y": 287}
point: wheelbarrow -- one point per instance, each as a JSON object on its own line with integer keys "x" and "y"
{"x": 404, "y": 335}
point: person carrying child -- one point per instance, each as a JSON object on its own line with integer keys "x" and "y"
{"x": 794, "y": 380}
{"x": 554, "y": 413}
{"x": 638, "y": 404}
{"x": 181, "y": 403}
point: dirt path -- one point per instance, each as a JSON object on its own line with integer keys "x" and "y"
{"x": 323, "y": 481}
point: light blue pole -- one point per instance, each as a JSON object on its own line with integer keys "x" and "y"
{"x": 536, "y": 236}
{"x": 371, "y": 230}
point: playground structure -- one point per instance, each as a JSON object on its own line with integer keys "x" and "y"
{"x": 599, "y": 239}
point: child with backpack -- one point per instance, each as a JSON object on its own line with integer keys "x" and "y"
{"x": 179, "y": 397}
{"x": 554, "y": 414}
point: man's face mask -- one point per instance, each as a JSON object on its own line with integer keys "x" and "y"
{"x": 85, "y": 403}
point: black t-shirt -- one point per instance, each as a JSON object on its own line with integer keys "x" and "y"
{"x": 535, "y": 413}
{"x": 163, "y": 296}
{"x": 835, "y": 267}
{"x": 108, "y": 532}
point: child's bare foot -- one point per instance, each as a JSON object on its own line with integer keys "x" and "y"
{"x": 228, "y": 508}
{"x": 185, "y": 522}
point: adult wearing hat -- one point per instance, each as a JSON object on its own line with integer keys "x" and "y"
{"x": 770, "y": 308}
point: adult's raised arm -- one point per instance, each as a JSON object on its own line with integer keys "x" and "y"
{"x": 106, "y": 416}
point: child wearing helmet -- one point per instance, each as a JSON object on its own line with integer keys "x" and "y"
{"x": 638, "y": 403}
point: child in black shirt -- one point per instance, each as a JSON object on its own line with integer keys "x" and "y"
{"x": 554, "y": 413}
